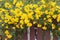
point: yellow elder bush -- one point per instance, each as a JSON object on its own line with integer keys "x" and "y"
{"x": 19, "y": 14}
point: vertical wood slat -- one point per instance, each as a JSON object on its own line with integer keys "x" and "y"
{"x": 39, "y": 34}
{"x": 24, "y": 37}
{"x": 47, "y": 35}
{"x": 32, "y": 33}
{"x": 55, "y": 37}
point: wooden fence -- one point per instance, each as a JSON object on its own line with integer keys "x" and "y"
{"x": 36, "y": 33}
{"x": 39, "y": 34}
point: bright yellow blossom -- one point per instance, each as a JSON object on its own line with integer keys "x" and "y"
{"x": 44, "y": 28}
{"x": 26, "y": 21}
{"x": 21, "y": 22}
{"x": 49, "y": 20}
{"x": 29, "y": 24}
{"x": 21, "y": 26}
{"x": 58, "y": 18}
{"x": 34, "y": 22}
{"x": 54, "y": 16}
{"x": 2, "y": 24}
{"x": 0, "y": 20}
{"x": 44, "y": 18}
{"x": 43, "y": 1}
{"x": 14, "y": 1}
{"x": 7, "y": 26}
{"x": 39, "y": 25}
{"x": 7, "y": 32}
{"x": 19, "y": 4}
{"x": 48, "y": 16}
{"x": 17, "y": 26}
{"x": 52, "y": 3}
{"x": 0, "y": 0}
{"x": 9, "y": 36}
{"x": 35, "y": 5}
{"x": 59, "y": 29}
{"x": 8, "y": 5}
{"x": 53, "y": 26}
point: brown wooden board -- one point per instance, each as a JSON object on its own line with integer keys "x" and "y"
{"x": 55, "y": 37}
{"x": 32, "y": 33}
{"x": 24, "y": 37}
{"x": 39, "y": 34}
{"x": 47, "y": 35}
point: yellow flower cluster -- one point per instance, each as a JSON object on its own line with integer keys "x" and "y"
{"x": 18, "y": 14}
{"x": 8, "y": 34}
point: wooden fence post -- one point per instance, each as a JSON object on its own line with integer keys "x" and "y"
{"x": 47, "y": 35}
{"x": 32, "y": 33}
{"x": 55, "y": 37}
{"x": 24, "y": 36}
{"x": 39, "y": 33}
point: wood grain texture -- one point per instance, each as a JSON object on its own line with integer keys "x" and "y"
{"x": 39, "y": 34}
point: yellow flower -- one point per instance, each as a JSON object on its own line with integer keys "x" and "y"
{"x": 58, "y": 18}
{"x": 0, "y": 0}
{"x": 26, "y": 21}
{"x": 16, "y": 19}
{"x": 29, "y": 24}
{"x": 46, "y": 12}
{"x": 34, "y": 22}
{"x": 35, "y": 5}
{"x": 0, "y": 20}
{"x": 39, "y": 25}
{"x": 52, "y": 3}
{"x": 24, "y": 16}
{"x": 37, "y": 16}
{"x": 59, "y": 29}
{"x": 8, "y": 5}
{"x": 58, "y": 7}
{"x": 45, "y": 23}
{"x": 2, "y": 24}
{"x": 6, "y": 32}
{"x": 12, "y": 20}
{"x": 49, "y": 20}
{"x": 48, "y": 16}
{"x": 5, "y": 21}
{"x": 30, "y": 16}
{"x": 7, "y": 26}
{"x": 9, "y": 36}
{"x": 17, "y": 26}
{"x": 31, "y": 6}
{"x": 7, "y": 16}
{"x": 6, "y": 39}
{"x": 21, "y": 22}
{"x": 26, "y": 8}
{"x": 21, "y": 27}
{"x": 9, "y": 22}
{"x": 12, "y": 11}
{"x": 19, "y": 4}
{"x": 43, "y": 1}
{"x": 54, "y": 16}
{"x": 44, "y": 28}
{"x": 14, "y": 1}
{"x": 44, "y": 18}
{"x": 53, "y": 26}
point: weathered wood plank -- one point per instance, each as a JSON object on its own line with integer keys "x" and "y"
{"x": 39, "y": 34}
{"x": 24, "y": 36}
{"x": 32, "y": 33}
{"x": 47, "y": 35}
{"x": 55, "y": 37}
